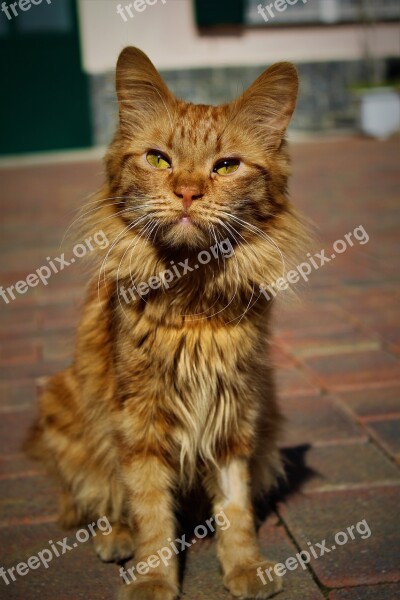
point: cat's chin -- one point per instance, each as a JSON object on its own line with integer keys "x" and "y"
{"x": 184, "y": 234}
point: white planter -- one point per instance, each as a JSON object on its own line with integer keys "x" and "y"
{"x": 380, "y": 112}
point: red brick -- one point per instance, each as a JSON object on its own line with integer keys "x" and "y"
{"x": 293, "y": 381}
{"x": 58, "y": 347}
{"x": 13, "y": 466}
{"x": 279, "y": 358}
{"x": 327, "y": 343}
{"x": 26, "y": 498}
{"x": 386, "y": 322}
{"x": 18, "y": 322}
{"x": 371, "y": 299}
{"x": 353, "y": 267}
{"x": 349, "y": 371}
{"x": 17, "y": 395}
{"x": 77, "y": 573}
{"x": 388, "y": 435}
{"x": 13, "y": 429}
{"x": 394, "y": 349}
{"x": 33, "y": 371}
{"x": 18, "y": 353}
{"x": 348, "y": 465}
{"x": 317, "y": 420}
{"x": 389, "y": 591}
{"x": 296, "y": 318}
{"x": 372, "y": 402}
{"x": 318, "y": 516}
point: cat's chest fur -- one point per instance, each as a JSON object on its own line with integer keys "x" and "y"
{"x": 199, "y": 373}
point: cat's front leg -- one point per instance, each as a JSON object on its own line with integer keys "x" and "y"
{"x": 154, "y": 573}
{"x": 238, "y": 548}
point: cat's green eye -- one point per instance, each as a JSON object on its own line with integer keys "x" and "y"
{"x": 227, "y": 166}
{"x": 157, "y": 160}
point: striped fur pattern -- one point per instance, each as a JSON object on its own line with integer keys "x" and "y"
{"x": 173, "y": 390}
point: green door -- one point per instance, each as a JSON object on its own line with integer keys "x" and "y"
{"x": 44, "y": 98}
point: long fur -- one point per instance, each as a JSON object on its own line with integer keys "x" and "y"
{"x": 168, "y": 390}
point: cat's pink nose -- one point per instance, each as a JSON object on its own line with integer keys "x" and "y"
{"x": 188, "y": 194}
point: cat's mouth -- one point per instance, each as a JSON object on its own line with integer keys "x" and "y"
{"x": 185, "y": 220}
{"x": 184, "y": 229}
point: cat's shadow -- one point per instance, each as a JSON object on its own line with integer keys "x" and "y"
{"x": 297, "y": 473}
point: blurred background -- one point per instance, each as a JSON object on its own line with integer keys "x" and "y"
{"x": 58, "y": 59}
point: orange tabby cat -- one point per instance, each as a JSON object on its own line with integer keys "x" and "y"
{"x": 171, "y": 390}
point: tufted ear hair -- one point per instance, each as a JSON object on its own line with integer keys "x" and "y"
{"x": 141, "y": 91}
{"x": 268, "y": 104}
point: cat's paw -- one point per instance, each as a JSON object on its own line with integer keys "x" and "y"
{"x": 251, "y": 581}
{"x": 118, "y": 545}
{"x": 154, "y": 589}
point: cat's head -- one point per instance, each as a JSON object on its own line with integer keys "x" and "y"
{"x": 190, "y": 173}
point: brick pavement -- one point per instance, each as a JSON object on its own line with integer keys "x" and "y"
{"x": 337, "y": 352}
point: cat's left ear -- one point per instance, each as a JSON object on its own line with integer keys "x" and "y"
{"x": 268, "y": 104}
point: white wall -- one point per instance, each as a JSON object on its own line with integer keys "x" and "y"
{"x": 168, "y": 34}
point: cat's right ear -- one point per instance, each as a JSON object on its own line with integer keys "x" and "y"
{"x": 141, "y": 92}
